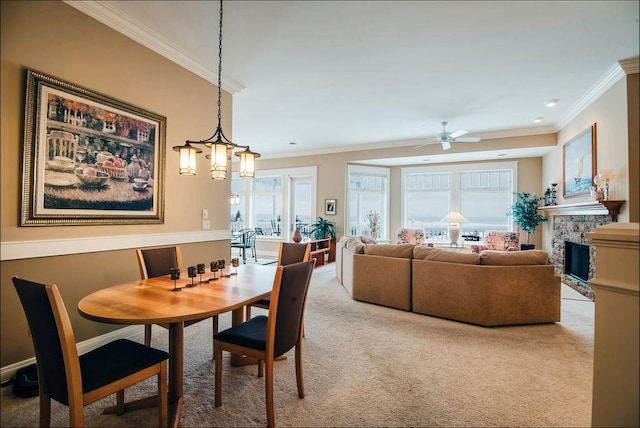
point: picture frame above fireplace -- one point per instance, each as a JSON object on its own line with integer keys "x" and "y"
{"x": 579, "y": 163}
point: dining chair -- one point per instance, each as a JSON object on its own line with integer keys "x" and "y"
{"x": 157, "y": 262}
{"x": 268, "y": 337}
{"x": 288, "y": 253}
{"x": 246, "y": 239}
{"x": 76, "y": 381}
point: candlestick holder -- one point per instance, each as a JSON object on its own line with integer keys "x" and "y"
{"x": 221, "y": 265}
{"x": 175, "y": 275}
{"x": 191, "y": 271}
{"x": 214, "y": 269}
{"x": 235, "y": 262}
{"x": 201, "y": 270}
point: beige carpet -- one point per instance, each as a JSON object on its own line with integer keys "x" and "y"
{"x": 366, "y": 365}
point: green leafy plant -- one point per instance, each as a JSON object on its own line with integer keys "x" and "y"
{"x": 525, "y": 212}
{"x": 323, "y": 228}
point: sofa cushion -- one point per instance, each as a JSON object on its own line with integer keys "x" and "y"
{"x": 504, "y": 258}
{"x": 402, "y": 251}
{"x": 420, "y": 251}
{"x": 442, "y": 255}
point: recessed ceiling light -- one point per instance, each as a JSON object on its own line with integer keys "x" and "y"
{"x": 292, "y": 143}
{"x": 427, "y": 160}
{"x": 552, "y": 102}
{"x": 501, "y": 155}
{"x": 537, "y": 120}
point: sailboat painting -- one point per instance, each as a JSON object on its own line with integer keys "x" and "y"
{"x": 579, "y": 163}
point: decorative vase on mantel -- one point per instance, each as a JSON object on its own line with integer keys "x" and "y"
{"x": 297, "y": 236}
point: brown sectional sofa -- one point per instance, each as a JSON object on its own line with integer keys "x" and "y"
{"x": 489, "y": 289}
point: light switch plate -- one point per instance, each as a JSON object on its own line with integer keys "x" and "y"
{"x": 206, "y": 224}
{"x": 205, "y": 213}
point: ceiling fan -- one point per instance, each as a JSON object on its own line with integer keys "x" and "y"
{"x": 446, "y": 138}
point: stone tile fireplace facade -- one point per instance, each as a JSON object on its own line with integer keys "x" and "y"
{"x": 570, "y": 223}
{"x": 573, "y": 228}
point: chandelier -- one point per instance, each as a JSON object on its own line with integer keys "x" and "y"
{"x": 220, "y": 145}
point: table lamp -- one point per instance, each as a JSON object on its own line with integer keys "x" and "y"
{"x": 454, "y": 219}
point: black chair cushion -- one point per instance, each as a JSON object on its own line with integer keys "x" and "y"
{"x": 250, "y": 334}
{"x": 116, "y": 360}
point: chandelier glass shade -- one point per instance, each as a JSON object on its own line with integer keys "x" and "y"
{"x": 219, "y": 144}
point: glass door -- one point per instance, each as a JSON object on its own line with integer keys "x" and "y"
{"x": 300, "y": 206}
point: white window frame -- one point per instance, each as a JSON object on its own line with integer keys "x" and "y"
{"x": 373, "y": 170}
{"x": 287, "y": 175}
{"x": 456, "y": 170}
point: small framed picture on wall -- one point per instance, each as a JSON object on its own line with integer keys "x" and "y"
{"x": 330, "y": 207}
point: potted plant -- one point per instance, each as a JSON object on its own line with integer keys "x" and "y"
{"x": 525, "y": 214}
{"x": 323, "y": 228}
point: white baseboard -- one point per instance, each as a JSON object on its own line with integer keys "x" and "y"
{"x": 83, "y": 347}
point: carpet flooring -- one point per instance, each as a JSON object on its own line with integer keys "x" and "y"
{"x": 371, "y": 366}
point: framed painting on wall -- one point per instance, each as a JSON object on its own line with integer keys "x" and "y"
{"x": 579, "y": 163}
{"x": 330, "y": 207}
{"x": 88, "y": 158}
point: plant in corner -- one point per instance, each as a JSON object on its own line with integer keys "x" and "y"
{"x": 525, "y": 214}
{"x": 323, "y": 228}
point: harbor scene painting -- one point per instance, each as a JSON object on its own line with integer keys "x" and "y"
{"x": 579, "y": 163}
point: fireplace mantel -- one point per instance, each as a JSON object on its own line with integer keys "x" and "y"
{"x": 585, "y": 208}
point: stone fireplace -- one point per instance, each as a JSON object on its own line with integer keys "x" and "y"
{"x": 570, "y": 224}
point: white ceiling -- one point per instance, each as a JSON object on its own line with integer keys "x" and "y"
{"x": 348, "y": 75}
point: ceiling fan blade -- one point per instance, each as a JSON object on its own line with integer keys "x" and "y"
{"x": 459, "y": 133}
{"x": 468, "y": 140}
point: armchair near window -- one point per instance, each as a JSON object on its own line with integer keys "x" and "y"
{"x": 411, "y": 236}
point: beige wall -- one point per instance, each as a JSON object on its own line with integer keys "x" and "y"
{"x": 613, "y": 146}
{"x": 633, "y": 117}
{"x": 56, "y": 39}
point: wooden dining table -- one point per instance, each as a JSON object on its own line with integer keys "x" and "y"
{"x": 153, "y": 301}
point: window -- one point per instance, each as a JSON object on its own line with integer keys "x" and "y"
{"x": 276, "y": 201}
{"x": 368, "y": 190}
{"x": 482, "y": 193}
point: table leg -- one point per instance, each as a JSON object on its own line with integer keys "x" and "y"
{"x": 176, "y": 370}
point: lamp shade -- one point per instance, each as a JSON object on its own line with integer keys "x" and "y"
{"x": 247, "y": 163}
{"x": 454, "y": 217}
{"x": 187, "y": 155}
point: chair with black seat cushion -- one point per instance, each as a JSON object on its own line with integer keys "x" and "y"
{"x": 158, "y": 262}
{"x": 245, "y": 240}
{"x": 288, "y": 253}
{"x": 76, "y": 381}
{"x": 268, "y": 337}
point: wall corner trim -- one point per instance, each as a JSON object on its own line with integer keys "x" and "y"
{"x": 16, "y": 250}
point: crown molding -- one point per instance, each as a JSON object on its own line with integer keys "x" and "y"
{"x": 111, "y": 17}
{"x": 609, "y": 79}
{"x": 629, "y": 65}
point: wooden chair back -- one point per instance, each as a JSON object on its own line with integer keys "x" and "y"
{"x": 284, "y": 328}
{"x": 158, "y": 261}
{"x": 292, "y": 252}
